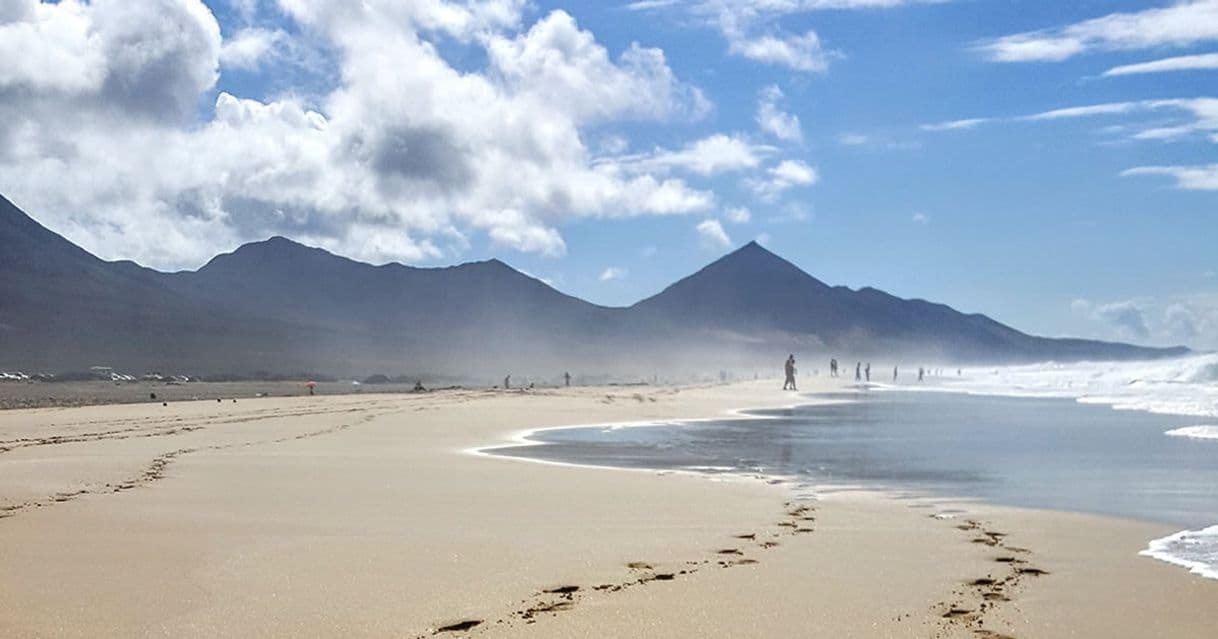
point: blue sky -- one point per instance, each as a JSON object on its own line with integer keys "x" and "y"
{"x": 930, "y": 149}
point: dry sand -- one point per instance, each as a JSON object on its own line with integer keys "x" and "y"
{"x": 364, "y": 515}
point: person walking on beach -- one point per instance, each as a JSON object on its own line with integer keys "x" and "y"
{"x": 789, "y": 368}
{"x": 858, "y": 371}
{"x": 867, "y": 371}
{"x": 832, "y": 367}
{"x": 920, "y": 371}
{"x": 894, "y": 373}
{"x": 566, "y": 377}
{"x": 507, "y": 382}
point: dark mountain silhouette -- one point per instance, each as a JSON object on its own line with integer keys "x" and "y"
{"x": 280, "y": 306}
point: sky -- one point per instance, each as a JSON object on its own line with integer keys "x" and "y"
{"x": 1050, "y": 164}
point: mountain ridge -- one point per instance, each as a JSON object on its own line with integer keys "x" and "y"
{"x": 278, "y": 304}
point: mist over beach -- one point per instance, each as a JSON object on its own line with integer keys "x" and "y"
{"x": 638, "y": 318}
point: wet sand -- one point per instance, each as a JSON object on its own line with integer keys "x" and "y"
{"x": 364, "y": 515}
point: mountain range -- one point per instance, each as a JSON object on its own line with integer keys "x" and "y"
{"x": 279, "y": 306}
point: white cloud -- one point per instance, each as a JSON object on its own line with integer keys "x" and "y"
{"x": 751, "y": 26}
{"x": 613, "y": 273}
{"x": 775, "y": 121}
{"x": 712, "y": 155}
{"x": 402, "y": 158}
{"x": 853, "y": 139}
{"x": 1126, "y": 317}
{"x": 712, "y": 235}
{"x": 763, "y": 238}
{"x": 921, "y": 218}
{"x": 249, "y": 47}
{"x": 955, "y": 125}
{"x": 1183, "y": 23}
{"x": 738, "y": 215}
{"x": 1191, "y": 178}
{"x": 796, "y": 52}
{"x": 1200, "y": 118}
{"x": 1207, "y": 61}
{"x": 787, "y": 174}
{"x": 563, "y": 67}
{"x": 1190, "y": 318}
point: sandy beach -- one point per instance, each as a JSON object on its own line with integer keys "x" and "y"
{"x": 367, "y": 515}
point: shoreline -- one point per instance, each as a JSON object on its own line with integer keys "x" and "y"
{"x": 1154, "y": 546}
{"x": 367, "y": 516}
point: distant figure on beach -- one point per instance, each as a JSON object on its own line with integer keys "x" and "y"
{"x": 894, "y": 373}
{"x": 867, "y": 371}
{"x": 920, "y": 373}
{"x": 507, "y": 382}
{"x": 832, "y": 367}
{"x": 566, "y": 378}
{"x": 789, "y": 367}
{"x": 418, "y": 387}
{"x": 858, "y": 371}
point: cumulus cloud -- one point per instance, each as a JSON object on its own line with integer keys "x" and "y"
{"x": 613, "y": 273}
{"x": 712, "y": 235}
{"x": 249, "y": 47}
{"x": 117, "y": 137}
{"x": 773, "y": 120}
{"x": 796, "y": 52}
{"x": 1183, "y": 23}
{"x": 1126, "y": 317}
{"x": 780, "y": 178}
{"x": 1191, "y": 319}
{"x": 1207, "y": 61}
{"x": 921, "y": 218}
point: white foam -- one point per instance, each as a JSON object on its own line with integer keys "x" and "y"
{"x": 1178, "y": 386}
{"x": 1195, "y": 432}
{"x": 1196, "y": 550}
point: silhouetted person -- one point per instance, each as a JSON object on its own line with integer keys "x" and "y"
{"x": 858, "y": 371}
{"x": 566, "y": 378}
{"x": 894, "y": 373}
{"x": 832, "y": 367}
{"x": 867, "y": 371}
{"x": 789, "y": 368}
{"x": 920, "y": 372}
{"x": 507, "y": 382}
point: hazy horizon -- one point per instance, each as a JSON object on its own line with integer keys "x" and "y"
{"x": 1035, "y": 162}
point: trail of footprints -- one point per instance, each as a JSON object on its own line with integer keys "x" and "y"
{"x": 978, "y": 599}
{"x": 552, "y": 601}
{"x": 155, "y": 469}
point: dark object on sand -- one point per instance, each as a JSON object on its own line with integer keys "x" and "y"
{"x": 152, "y": 396}
{"x": 418, "y": 387}
{"x": 164, "y": 403}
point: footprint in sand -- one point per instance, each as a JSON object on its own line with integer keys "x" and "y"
{"x": 460, "y": 626}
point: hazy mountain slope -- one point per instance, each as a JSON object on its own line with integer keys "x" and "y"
{"x": 280, "y": 306}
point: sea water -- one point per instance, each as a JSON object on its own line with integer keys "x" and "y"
{"x": 1043, "y": 436}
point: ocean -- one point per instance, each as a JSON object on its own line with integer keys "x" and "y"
{"x": 1133, "y": 439}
